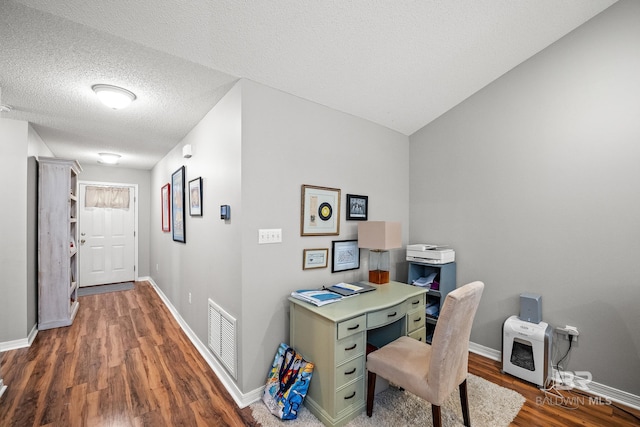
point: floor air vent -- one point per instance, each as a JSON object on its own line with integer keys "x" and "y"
{"x": 222, "y": 337}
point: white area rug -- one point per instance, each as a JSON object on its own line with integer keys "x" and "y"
{"x": 490, "y": 405}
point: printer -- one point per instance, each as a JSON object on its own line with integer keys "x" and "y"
{"x": 430, "y": 254}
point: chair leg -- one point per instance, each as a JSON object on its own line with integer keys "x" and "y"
{"x": 436, "y": 413}
{"x": 464, "y": 402}
{"x": 371, "y": 389}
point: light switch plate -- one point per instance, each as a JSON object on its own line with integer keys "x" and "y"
{"x": 269, "y": 235}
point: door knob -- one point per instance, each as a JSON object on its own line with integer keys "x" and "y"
{"x": 82, "y": 241}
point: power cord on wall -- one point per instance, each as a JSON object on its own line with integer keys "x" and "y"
{"x": 552, "y": 392}
{"x": 557, "y": 398}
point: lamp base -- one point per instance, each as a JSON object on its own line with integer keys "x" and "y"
{"x": 379, "y": 277}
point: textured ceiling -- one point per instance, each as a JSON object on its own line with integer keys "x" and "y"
{"x": 399, "y": 64}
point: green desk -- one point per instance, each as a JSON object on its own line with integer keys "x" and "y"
{"x": 334, "y": 338}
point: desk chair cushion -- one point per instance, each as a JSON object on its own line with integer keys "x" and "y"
{"x": 433, "y": 371}
{"x": 409, "y": 368}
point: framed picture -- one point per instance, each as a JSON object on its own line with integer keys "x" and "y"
{"x": 315, "y": 258}
{"x": 346, "y": 255}
{"x": 357, "y": 207}
{"x": 319, "y": 211}
{"x": 195, "y": 197}
{"x": 177, "y": 206}
{"x": 165, "y": 197}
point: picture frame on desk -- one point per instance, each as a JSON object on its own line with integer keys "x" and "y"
{"x": 315, "y": 258}
{"x": 346, "y": 255}
{"x": 357, "y": 207}
{"x": 319, "y": 211}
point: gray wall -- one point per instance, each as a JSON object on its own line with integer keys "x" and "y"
{"x": 254, "y": 150}
{"x": 534, "y": 182}
{"x": 32, "y": 243}
{"x": 118, "y": 175}
{"x": 13, "y": 251}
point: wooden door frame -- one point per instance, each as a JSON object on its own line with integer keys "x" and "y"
{"x": 135, "y": 220}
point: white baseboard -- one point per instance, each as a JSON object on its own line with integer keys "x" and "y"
{"x": 597, "y": 389}
{"x": 21, "y": 343}
{"x": 3, "y": 387}
{"x": 487, "y": 352}
{"x": 241, "y": 399}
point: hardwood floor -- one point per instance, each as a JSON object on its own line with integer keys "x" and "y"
{"x": 126, "y": 362}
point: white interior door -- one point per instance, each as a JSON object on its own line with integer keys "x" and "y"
{"x": 107, "y": 241}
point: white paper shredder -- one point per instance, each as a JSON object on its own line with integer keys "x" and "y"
{"x": 526, "y": 350}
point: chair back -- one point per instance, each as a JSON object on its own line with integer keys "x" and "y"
{"x": 450, "y": 344}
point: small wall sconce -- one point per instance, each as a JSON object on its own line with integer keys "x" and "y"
{"x": 186, "y": 151}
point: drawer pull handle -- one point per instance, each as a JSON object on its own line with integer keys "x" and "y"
{"x": 351, "y": 348}
{"x": 418, "y": 319}
{"x": 353, "y": 328}
{"x": 416, "y": 302}
{"x": 351, "y": 372}
{"x": 350, "y": 396}
{"x": 392, "y": 314}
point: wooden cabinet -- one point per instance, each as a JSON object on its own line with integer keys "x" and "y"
{"x": 57, "y": 242}
{"x": 446, "y": 278}
{"x": 335, "y": 336}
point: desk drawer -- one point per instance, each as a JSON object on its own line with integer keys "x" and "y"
{"x": 349, "y": 347}
{"x": 415, "y": 302}
{"x": 420, "y": 335}
{"x": 352, "y": 326}
{"x": 352, "y": 394}
{"x": 387, "y": 315}
{"x": 415, "y": 319}
{"x": 349, "y": 371}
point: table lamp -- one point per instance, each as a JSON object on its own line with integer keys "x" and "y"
{"x": 379, "y": 237}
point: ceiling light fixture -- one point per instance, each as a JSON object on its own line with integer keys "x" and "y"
{"x": 109, "y": 158}
{"x": 113, "y": 96}
{"x": 4, "y": 108}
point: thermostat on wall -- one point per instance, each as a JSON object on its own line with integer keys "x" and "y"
{"x": 225, "y": 212}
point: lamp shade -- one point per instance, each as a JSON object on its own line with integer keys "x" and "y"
{"x": 382, "y": 235}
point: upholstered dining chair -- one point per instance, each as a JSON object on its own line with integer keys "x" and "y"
{"x": 433, "y": 371}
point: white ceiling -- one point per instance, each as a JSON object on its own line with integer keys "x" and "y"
{"x": 397, "y": 63}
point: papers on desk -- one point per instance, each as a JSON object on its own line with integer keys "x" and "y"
{"x": 316, "y": 297}
{"x": 350, "y": 289}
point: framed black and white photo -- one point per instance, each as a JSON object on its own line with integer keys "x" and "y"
{"x": 357, "y": 207}
{"x": 346, "y": 255}
{"x": 195, "y": 197}
{"x": 177, "y": 206}
{"x": 315, "y": 258}
{"x": 319, "y": 211}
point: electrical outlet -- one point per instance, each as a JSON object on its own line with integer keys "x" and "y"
{"x": 189, "y": 297}
{"x": 157, "y": 267}
{"x": 568, "y": 331}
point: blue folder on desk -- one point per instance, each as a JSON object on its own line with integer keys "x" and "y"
{"x": 347, "y": 289}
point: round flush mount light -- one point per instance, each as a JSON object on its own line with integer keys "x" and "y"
{"x": 109, "y": 158}
{"x": 113, "y": 96}
{"x": 4, "y": 108}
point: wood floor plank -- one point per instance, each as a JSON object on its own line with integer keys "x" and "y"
{"x": 125, "y": 361}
